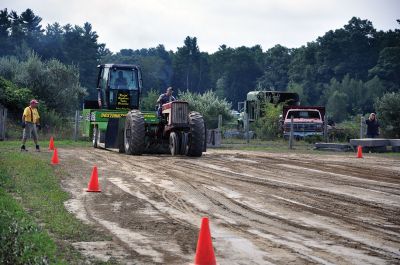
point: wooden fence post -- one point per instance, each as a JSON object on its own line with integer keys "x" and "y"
{"x": 3, "y": 120}
{"x": 291, "y": 133}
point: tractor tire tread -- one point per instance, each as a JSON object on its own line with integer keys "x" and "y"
{"x": 196, "y": 141}
{"x": 135, "y": 121}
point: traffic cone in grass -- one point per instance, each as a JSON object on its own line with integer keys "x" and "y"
{"x": 359, "y": 152}
{"x": 54, "y": 159}
{"x": 94, "y": 181}
{"x": 51, "y": 143}
{"x": 204, "y": 251}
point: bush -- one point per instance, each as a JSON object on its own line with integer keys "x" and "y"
{"x": 346, "y": 130}
{"x": 388, "y": 111}
{"x": 267, "y": 127}
{"x": 149, "y": 101}
{"x": 50, "y": 81}
{"x": 314, "y": 139}
{"x": 209, "y": 105}
{"x": 14, "y": 98}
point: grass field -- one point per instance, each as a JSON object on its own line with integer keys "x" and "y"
{"x": 35, "y": 227}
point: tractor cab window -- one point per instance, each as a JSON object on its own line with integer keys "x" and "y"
{"x": 124, "y": 79}
{"x": 123, "y": 89}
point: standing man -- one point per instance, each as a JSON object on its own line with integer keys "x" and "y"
{"x": 165, "y": 98}
{"x": 372, "y": 126}
{"x": 30, "y": 124}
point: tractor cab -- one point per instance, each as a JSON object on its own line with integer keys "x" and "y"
{"x": 118, "y": 86}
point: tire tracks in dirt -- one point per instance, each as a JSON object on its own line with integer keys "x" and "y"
{"x": 254, "y": 201}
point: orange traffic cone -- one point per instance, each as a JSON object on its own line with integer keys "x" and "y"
{"x": 51, "y": 144}
{"x": 204, "y": 251}
{"x": 359, "y": 152}
{"x": 94, "y": 181}
{"x": 54, "y": 159}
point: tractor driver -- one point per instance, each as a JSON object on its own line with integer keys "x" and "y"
{"x": 120, "y": 82}
{"x": 165, "y": 98}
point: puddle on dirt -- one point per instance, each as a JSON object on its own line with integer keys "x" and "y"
{"x": 102, "y": 250}
{"x": 238, "y": 248}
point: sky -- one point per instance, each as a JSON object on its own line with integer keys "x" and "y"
{"x": 136, "y": 24}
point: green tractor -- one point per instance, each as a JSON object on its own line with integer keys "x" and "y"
{"x": 115, "y": 121}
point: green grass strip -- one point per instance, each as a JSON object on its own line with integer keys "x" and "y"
{"x": 21, "y": 240}
{"x": 27, "y": 181}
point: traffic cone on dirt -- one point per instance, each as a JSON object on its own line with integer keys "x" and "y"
{"x": 51, "y": 143}
{"x": 359, "y": 152}
{"x": 204, "y": 251}
{"x": 94, "y": 181}
{"x": 54, "y": 159}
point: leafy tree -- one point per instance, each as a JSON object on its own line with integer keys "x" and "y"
{"x": 276, "y": 66}
{"x": 51, "y": 81}
{"x": 30, "y": 25}
{"x": 53, "y": 42}
{"x": 268, "y": 127}
{"x": 373, "y": 89}
{"x": 337, "y": 105}
{"x": 186, "y": 64}
{"x": 388, "y": 68}
{"x": 13, "y": 97}
{"x": 209, "y": 105}
{"x": 388, "y": 109}
{"x": 238, "y": 71}
{"x": 149, "y": 102}
{"x": 299, "y": 89}
{"x": 5, "y": 25}
{"x": 82, "y": 49}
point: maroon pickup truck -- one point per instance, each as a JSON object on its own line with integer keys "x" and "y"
{"x": 307, "y": 120}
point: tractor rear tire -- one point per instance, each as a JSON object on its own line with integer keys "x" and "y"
{"x": 134, "y": 133}
{"x": 174, "y": 143}
{"x": 197, "y": 134}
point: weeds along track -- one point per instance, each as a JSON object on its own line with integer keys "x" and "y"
{"x": 264, "y": 208}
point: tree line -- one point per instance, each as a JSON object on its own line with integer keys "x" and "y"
{"x": 346, "y": 69}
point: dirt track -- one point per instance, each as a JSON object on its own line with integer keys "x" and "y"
{"x": 264, "y": 208}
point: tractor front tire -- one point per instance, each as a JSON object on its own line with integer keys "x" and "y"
{"x": 183, "y": 149}
{"x": 134, "y": 133}
{"x": 197, "y": 134}
{"x": 174, "y": 143}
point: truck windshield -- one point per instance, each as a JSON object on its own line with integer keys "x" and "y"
{"x": 125, "y": 79}
{"x": 303, "y": 114}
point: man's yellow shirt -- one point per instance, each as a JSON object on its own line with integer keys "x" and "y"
{"x": 31, "y": 116}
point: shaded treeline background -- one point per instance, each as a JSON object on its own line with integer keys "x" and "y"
{"x": 346, "y": 69}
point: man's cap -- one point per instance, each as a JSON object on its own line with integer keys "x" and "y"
{"x": 34, "y": 101}
{"x": 170, "y": 89}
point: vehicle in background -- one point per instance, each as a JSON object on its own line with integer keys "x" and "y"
{"x": 255, "y": 103}
{"x": 307, "y": 121}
